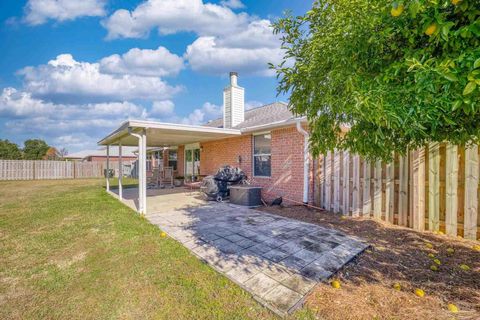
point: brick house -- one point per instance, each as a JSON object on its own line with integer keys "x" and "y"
{"x": 269, "y": 143}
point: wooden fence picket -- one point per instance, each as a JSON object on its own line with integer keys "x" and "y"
{"x": 434, "y": 188}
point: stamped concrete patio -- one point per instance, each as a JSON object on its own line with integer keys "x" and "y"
{"x": 278, "y": 260}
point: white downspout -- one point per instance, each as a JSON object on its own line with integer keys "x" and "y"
{"x": 140, "y": 169}
{"x": 306, "y": 161}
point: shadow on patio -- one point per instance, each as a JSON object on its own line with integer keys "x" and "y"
{"x": 277, "y": 259}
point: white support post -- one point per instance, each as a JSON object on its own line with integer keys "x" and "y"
{"x": 141, "y": 164}
{"x": 108, "y": 168}
{"x": 144, "y": 160}
{"x": 120, "y": 172}
{"x": 140, "y": 170}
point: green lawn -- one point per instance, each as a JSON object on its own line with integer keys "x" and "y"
{"x": 68, "y": 250}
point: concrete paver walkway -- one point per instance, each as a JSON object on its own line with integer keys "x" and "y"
{"x": 278, "y": 260}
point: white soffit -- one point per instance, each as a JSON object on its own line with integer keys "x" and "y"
{"x": 161, "y": 134}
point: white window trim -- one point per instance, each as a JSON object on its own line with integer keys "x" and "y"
{"x": 261, "y": 154}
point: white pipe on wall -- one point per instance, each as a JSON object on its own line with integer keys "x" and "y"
{"x": 306, "y": 161}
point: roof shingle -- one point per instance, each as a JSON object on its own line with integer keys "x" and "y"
{"x": 269, "y": 113}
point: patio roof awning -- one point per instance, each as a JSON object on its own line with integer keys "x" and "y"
{"x": 161, "y": 134}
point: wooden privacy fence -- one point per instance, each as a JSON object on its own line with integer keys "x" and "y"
{"x": 434, "y": 188}
{"x": 43, "y": 169}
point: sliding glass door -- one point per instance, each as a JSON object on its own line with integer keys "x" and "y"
{"x": 192, "y": 162}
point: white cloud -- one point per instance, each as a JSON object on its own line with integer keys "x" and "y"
{"x": 162, "y": 108}
{"x": 26, "y": 116}
{"x": 146, "y": 62}
{"x": 234, "y": 4}
{"x": 67, "y": 80}
{"x": 164, "y": 111}
{"x": 171, "y": 16}
{"x": 205, "y": 55}
{"x": 20, "y": 104}
{"x": 227, "y": 40}
{"x": 257, "y": 34}
{"x": 208, "y": 111}
{"x": 40, "y": 11}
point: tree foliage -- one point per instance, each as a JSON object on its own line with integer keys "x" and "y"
{"x": 398, "y": 74}
{"x": 35, "y": 149}
{"x": 9, "y": 150}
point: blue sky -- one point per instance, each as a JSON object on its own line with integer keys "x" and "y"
{"x": 71, "y": 71}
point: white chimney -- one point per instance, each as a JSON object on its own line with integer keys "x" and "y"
{"x": 233, "y": 103}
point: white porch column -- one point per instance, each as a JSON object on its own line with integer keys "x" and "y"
{"x": 108, "y": 167}
{"x": 140, "y": 166}
{"x": 144, "y": 160}
{"x": 120, "y": 172}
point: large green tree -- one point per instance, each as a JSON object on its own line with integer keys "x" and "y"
{"x": 35, "y": 149}
{"x": 397, "y": 74}
{"x": 9, "y": 150}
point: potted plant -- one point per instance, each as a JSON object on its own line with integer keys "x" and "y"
{"x": 178, "y": 181}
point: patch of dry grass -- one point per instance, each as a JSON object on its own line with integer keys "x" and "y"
{"x": 398, "y": 255}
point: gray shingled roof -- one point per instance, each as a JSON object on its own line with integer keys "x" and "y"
{"x": 269, "y": 113}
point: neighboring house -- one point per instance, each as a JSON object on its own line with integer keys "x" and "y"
{"x": 100, "y": 155}
{"x": 269, "y": 143}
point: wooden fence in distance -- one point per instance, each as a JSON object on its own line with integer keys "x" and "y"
{"x": 435, "y": 188}
{"x": 43, "y": 169}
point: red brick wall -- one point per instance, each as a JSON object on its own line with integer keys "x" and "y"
{"x": 218, "y": 153}
{"x": 287, "y": 162}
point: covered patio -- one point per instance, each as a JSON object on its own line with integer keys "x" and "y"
{"x": 154, "y": 134}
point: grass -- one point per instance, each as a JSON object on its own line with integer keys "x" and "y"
{"x": 70, "y": 251}
{"x": 398, "y": 255}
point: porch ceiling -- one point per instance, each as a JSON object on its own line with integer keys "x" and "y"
{"x": 161, "y": 134}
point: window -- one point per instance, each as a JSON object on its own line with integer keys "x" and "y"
{"x": 172, "y": 159}
{"x": 262, "y": 155}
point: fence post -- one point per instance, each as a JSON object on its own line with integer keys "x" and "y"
{"x": 471, "y": 198}
{"x": 356, "y": 187}
{"x": 377, "y": 191}
{"x": 367, "y": 197}
{"x": 418, "y": 180}
{"x": 403, "y": 190}
{"x": 328, "y": 182}
{"x": 451, "y": 186}
{"x": 434, "y": 187}
{"x": 336, "y": 181}
{"x": 346, "y": 183}
{"x": 390, "y": 191}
